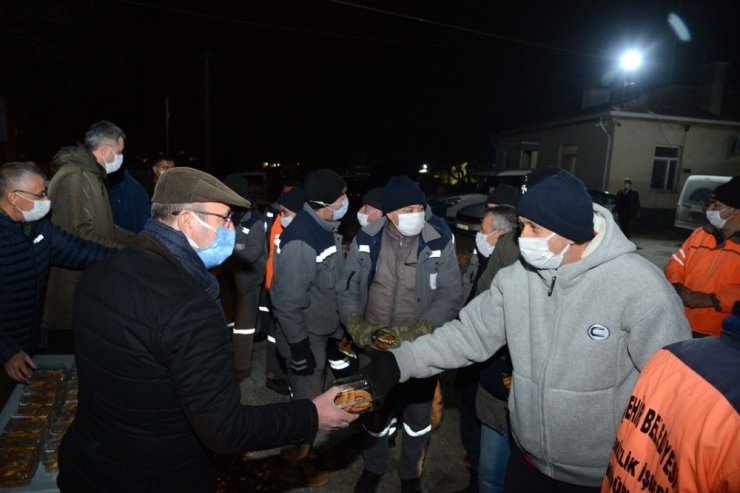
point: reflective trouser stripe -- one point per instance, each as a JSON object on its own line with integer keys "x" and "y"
{"x": 271, "y": 339}
{"x": 388, "y": 430}
{"x": 419, "y": 433}
{"x": 231, "y": 325}
{"x": 339, "y": 364}
{"x": 244, "y": 331}
{"x": 264, "y": 309}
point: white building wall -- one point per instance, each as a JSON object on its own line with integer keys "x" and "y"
{"x": 705, "y": 149}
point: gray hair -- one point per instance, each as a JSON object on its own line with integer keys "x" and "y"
{"x": 102, "y": 132}
{"x": 14, "y": 172}
{"x": 503, "y": 217}
{"x": 166, "y": 212}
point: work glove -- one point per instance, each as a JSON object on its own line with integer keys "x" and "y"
{"x": 302, "y": 360}
{"x": 382, "y": 373}
{"x": 361, "y": 330}
{"x": 410, "y": 332}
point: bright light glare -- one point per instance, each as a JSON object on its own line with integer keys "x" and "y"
{"x": 631, "y": 60}
{"x": 679, "y": 27}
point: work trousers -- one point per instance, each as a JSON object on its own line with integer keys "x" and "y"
{"x": 412, "y": 402}
{"x": 246, "y": 309}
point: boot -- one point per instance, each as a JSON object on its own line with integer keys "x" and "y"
{"x": 368, "y": 482}
{"x": 297, "y": 467}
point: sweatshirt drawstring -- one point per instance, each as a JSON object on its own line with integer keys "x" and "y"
{"x": 552, "y": 285}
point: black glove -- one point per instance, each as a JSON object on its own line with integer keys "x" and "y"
{"x": 302, "y": 361}
{"x": 382, "y": 373}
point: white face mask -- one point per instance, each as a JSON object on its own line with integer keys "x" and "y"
{"x": 410, "y": 223}
{"x": 115, "y": 165}
{"x": 362, "y": 219}
{"x": 715, "y": 219}
{"x": 40, "y": 209}
{"x": 536, "y": 252}
{"x": 285, "y": 220}
{"x": 481, "y": 243}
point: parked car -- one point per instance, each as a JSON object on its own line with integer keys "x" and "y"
{"x": 694, "y": 200}
{"x": 468, "y": 218}
{"x": 482, "y": 182}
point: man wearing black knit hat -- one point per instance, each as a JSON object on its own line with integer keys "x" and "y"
{"x": 705, "y": 271}
{"x": 401, "y": 278}
{"x": 308, "y": 265}
{"x": 581, "y": 314}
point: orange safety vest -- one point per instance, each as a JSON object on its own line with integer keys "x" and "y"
{"x": 703, "y": 265}
{"x": 678, "y": 434}
{"x": 275, "y": 231}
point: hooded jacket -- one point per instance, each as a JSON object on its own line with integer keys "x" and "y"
{"x": 578, "y": 337}
{"x": 79, "y": 205}
{"x": 438, "y": 284}
{"x": 27, "y": 250}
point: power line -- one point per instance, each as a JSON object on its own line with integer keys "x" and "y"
{"x": 234, "y": 20}
{"x": 468, "y": 30}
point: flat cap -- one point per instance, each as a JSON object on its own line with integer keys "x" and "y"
{"x": 182, "y": 185}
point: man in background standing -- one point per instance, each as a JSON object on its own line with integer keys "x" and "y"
{"x": 80, "y": 205}
{"x": 627, "y": 207}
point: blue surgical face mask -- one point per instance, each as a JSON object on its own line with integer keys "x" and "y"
{"x": 219, "y": 249}
{"x": 339, "y": 214}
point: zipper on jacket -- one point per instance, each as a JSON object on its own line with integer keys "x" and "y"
{"x": 552, "y": 285}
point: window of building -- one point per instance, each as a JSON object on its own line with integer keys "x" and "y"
{"x": 568, "y": 157}
{"x": 665, "y": 168}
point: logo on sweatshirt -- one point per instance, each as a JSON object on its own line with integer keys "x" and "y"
{"x": 598, "y": 332}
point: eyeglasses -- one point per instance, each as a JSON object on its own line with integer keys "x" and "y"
{"x": 39, "y": 196}
{"x": 225, "y": 218}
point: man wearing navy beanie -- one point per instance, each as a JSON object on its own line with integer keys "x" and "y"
{"x": 581, "y": 313}
{"x": 400, "y": 279}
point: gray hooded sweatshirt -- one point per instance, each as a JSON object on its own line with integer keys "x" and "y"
{"x": 578, "y": 337}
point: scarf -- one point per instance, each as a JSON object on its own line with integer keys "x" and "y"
{"x": 178, "y": 246}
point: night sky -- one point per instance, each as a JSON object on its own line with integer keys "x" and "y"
{"x": 388, "y": 84}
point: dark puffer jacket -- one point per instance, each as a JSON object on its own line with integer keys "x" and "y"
{"x": 26, "y": 252}
{"x": 156, "y": 382}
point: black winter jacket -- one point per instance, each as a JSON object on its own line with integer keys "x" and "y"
{"x": 156, "y": 385}
{"x": 26, "y": 252}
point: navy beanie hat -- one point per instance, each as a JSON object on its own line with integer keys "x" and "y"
{"x": 374, "y": 198}
{"x": 293, "y": 200}
{"x": 400, "y": 192}
{"x": 324, "y": 185}
{"x": 561, "y": 204}
{"x": 729, "y": 193}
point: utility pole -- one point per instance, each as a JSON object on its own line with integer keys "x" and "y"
{"x": 167, "y": 123}
{"x": 206, "y": 114}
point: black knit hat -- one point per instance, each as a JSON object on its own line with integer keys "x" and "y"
{"x": 561, "y": 204}
{"x": 293, "y": 200}
{"x": 324, "y": 185}
{"x": 401, "y": 192}
{"x": 504, "y": 195}
{"x": 729, "y": 193}
{"x": 374, "y": 198}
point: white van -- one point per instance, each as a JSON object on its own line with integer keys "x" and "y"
{"x": 694, "y": 200}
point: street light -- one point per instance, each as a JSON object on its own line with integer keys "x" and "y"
{"x": 630, "y": 60}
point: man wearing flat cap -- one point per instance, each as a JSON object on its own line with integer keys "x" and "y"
{"x": 705, "y": 271}
{"x": 156, "y": 385}
{"x": 581, "y": 313}
{"x": 401, "y": 279}
{"x": 308, "y": 266}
